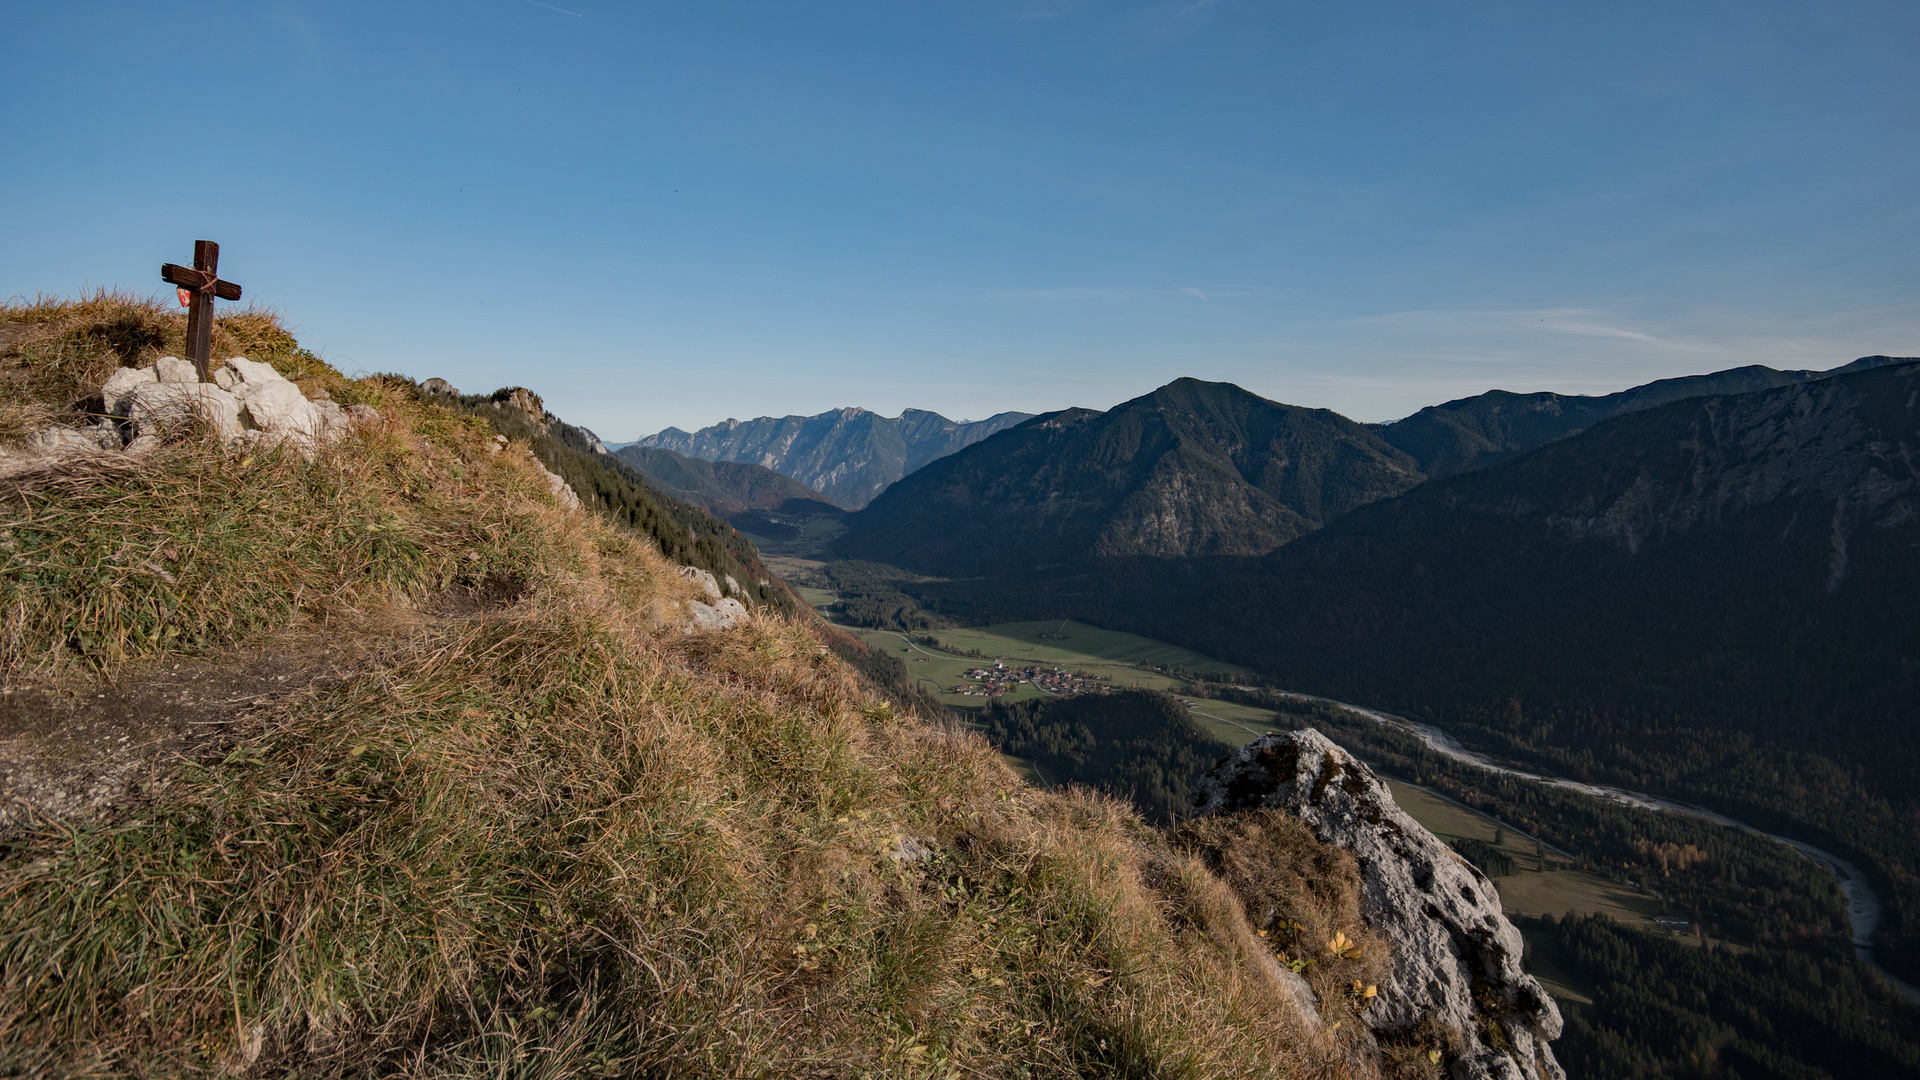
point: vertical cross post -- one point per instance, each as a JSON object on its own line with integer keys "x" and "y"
{"x": 198, "y": 286}
{"x": 206, "y": 259}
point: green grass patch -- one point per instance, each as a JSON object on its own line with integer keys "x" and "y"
{"x": 1543, "y": 883}
{"x": 943, "y": 664}
{"x": 1069, "y": 643}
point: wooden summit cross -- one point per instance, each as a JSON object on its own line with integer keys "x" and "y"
{"x": 198, "y": 286}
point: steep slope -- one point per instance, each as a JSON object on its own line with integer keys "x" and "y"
{"x": 848, "y": 455}
{"x": 1193, "y": 468}
{"x": 430, "y": 774}
{"x": 1478, "y": 432}
{"x": 722, "y": 488}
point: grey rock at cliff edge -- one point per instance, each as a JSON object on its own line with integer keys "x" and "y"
{"x": 1456, "y": 958}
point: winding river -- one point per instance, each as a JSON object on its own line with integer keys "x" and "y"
{"x": 1863, "y": 904}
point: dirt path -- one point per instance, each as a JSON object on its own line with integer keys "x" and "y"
{"x": 78, "y": 746}
{"x": 81, "y": 746}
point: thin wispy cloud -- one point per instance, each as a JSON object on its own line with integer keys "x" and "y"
{"x": 290, "y": 17}
{"x": 1169, "y": 21}
{"x": 1045, "y": 11}
{"x": 1081, "y": 294}
{"x": 1582, "y": 322}
{"x": 550, "y": 7}
{"x": 1577, "y": 322}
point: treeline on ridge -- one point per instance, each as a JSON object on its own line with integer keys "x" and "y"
{"x": 685, "y": 533}
{"x": 1665, "y": 1009}
{"x": 1140, "y": 745}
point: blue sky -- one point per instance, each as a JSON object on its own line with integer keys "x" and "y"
{"x": 662, "y": 214}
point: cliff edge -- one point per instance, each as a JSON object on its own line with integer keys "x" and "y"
{"x": 1455, "y": 957}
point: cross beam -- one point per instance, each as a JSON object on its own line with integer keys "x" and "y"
{"x": 199, "y": 284}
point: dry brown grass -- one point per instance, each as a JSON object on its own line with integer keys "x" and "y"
{"x": 22, "y": 475}
{"x": 562, "y": 837}
{"x": 58, "y": 352}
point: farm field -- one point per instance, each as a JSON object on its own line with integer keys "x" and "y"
{"x": 1546, "y": 883}
{"x": 817, "y": 598}
{"x": 1077, "y": 647}
{"x": 1069, "y": 643}
{"x": 1233, "y": 723}
{"x": 939, "y": 671}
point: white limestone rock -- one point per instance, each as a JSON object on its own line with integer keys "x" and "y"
{"x": 333, "y": 418}
{"x": 279, "y": 407}
{"x": 720, "y": 615}
{"x": 172, "y": 369}
{"x": 253, "y": 372}
{"x": 1451, "y": 941}
{"x": 529, "y": 405}
{"x": 158, "y": 408}
{"x": 559, "y": 488}
{"x": 123, "y": 381}
{"x": 732, "y": 585}
{"x": 439, "y": 386}
{"x": 66, "y": 439}
{"x": 704, "y": 579}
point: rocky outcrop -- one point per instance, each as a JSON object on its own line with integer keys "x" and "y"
{"x": 556, "y": 486}
{"x": 723, "y": 612}
{"x": 523, "y": 401}
{"x": 1456, "y": 958}
{"x": 247, "y": 402}
{"x": 719, "y": 615}
{"x": 703, "y": 578}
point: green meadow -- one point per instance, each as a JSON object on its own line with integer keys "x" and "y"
{"x": 1070, "y": 643}
{"x": 1125, "y": 659}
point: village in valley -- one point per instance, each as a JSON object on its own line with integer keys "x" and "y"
{"x": 999, "y": 679}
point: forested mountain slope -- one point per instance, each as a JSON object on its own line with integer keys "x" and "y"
{"x": 847, "y": 455}
{"x": 722, "y": 488}
{"x": 1713, "y": 598}
{"x": 1194, "y": 468}
{"x": 1484, "y": 430}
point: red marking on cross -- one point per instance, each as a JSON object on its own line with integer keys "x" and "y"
{"x": 186, "y": 296}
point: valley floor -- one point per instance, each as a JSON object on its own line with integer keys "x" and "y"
{"x": 1543, "y": 882}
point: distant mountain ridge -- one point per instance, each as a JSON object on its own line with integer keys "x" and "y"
{"x": 724, "y": 489}
{"x": 1484, "y": 430}
{"x": 1194, "y": 468}
{"x": 848, "y": 455}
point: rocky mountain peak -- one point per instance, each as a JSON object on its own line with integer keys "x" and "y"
{"x": 849, "y": 454}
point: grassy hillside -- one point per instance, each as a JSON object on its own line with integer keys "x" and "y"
{"x": 399, "y": 767}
